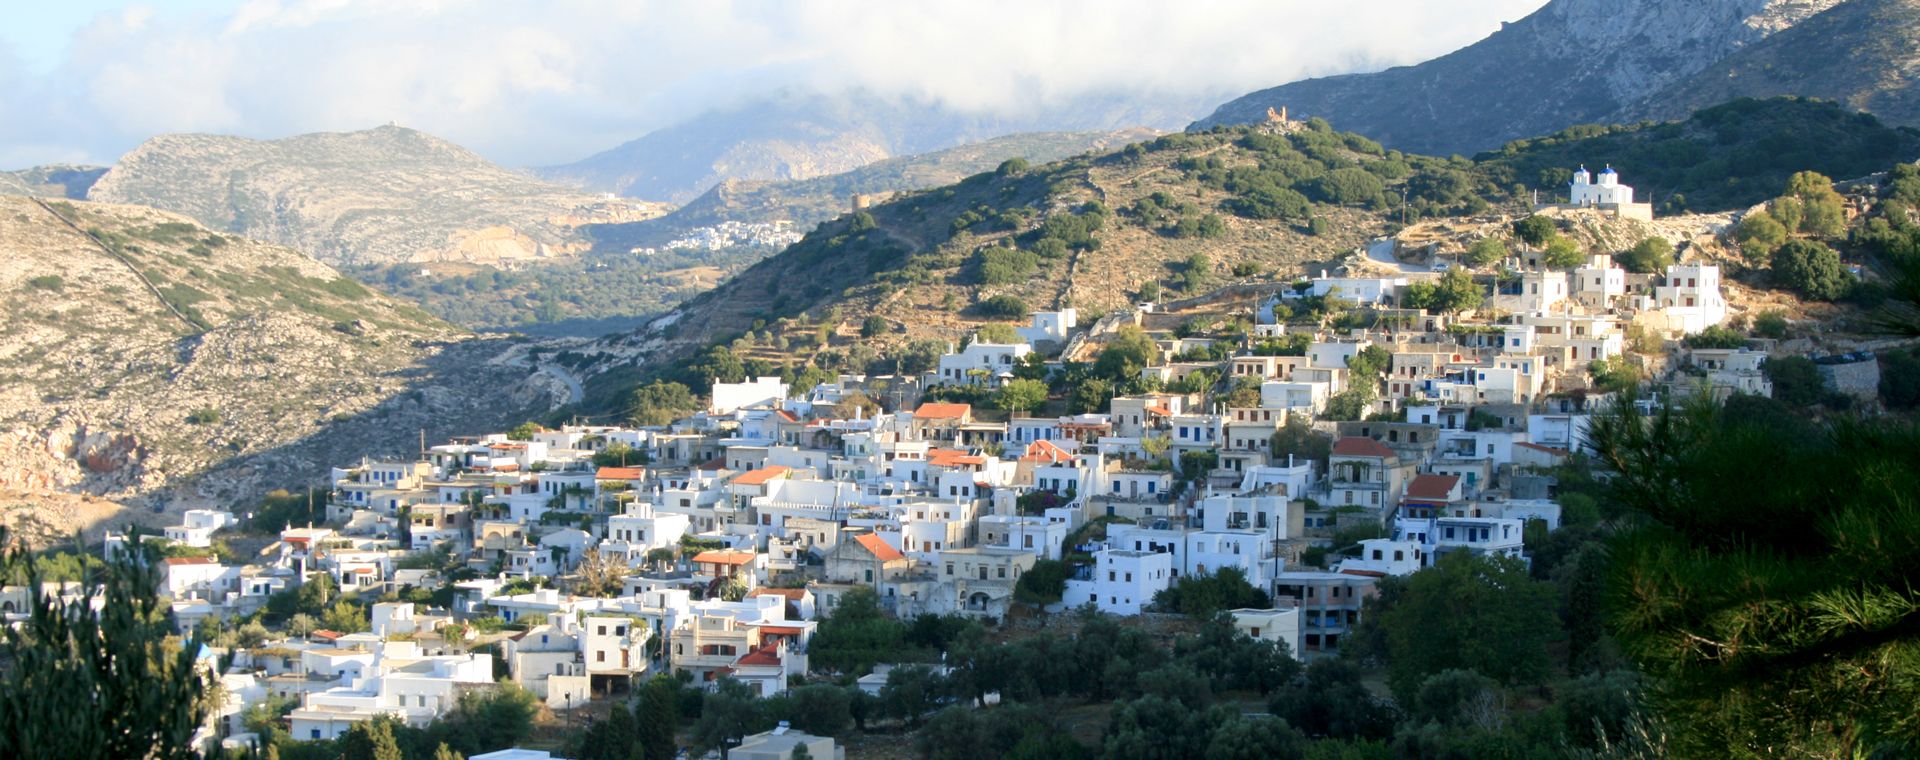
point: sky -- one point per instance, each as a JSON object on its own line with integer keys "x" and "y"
{"x": 536, "y": 83}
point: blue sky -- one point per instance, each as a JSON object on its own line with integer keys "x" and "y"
{"x": 530, "y": 83}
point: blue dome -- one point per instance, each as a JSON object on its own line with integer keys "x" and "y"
{"x": 1608, "y": 170}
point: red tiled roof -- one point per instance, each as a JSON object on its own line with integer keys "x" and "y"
{"x": 766, "y": 655}
{"x": 952, "y": 458}
{"x": 1361, "y": 447}
{"x": 619, "y": 473}
{"x": 761, "y": 476}
{"x": 788, "y": 416}
{"x": 1160, "y": 410}
{"x": 325, "y": 634}
{"x": 1432, "y": 486}
{"x": 724, "y": 557}
{"x": 714, "y": 464}
{"x": 880, "y": 548}
{"x": 938, "y": 411}
{"x": 192, "y": 561}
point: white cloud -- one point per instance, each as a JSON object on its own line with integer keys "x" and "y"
{"x": 529, "y": 83}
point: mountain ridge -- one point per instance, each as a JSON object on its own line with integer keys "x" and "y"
{"x": 1570, "y": 62}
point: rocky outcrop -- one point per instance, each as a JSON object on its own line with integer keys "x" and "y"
{"x": 376, "y": 196}
{"x": 1571, "y": 62}
{"x": 1861, "y": 53}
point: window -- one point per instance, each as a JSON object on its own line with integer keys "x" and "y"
{"x": 599, "y": 656}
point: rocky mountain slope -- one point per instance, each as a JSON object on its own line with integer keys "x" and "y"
{"x": 810, "y": 201}
{"x": 150, "y": 361}
{"x": 1571, "y": 62}
{"x": 801, "y": 136}
{"x": 379, "y": 195}
{"x": 53, "y": 180}
{"x": 1861, "y": 53}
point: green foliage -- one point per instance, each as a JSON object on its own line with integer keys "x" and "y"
{"x": 1536, "y": 231}
{"x": 1466, "y": 611}
{"x": 205, "y": 415}
{"x": 1195, "y": 274}
{"x": 1725, "y": 157}
{"x": 1811, "y": 270}
{"x": 1900, "y": 379}
{"x": 1758, "y": 235}
{"x": 1716, "y": 336}
{"x": 1002, "y": 307}
{"x": 857, "y": 635}
{"x": 1043, "y": 583}
{"x": 1796, "y": 381}
{"x": 51, "y": 282}
{"x": 657, "y": 403}
{"x": 1122, "y": 358}
{"x": 1202, "y": 596}
{"x": 1296, "y": 439}
{"x": 1773, "y": 605}
{"x": 1486, "y": 251}
{"x": 95, "y": 676}
{"x": 281, "y": 509}
{"x": 524, "y": 431}
{"x": 1563, "y": 253}
{"x": 1331, "y": 701}
{"x": 618, "y": 454}
{"x": 1021, "y": 395}
{"x": 996, "y": 332}
{"x": 1652, "y": 254}
{"x": 1771, "y": 323}
{"x": 1350, "y": 404}
{"x": 1000, "y": 265}
{"x": 1616, "y": 375}
{"x": 1822, "y": 211}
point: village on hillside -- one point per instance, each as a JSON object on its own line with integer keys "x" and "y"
{"x": 578, "y": 562}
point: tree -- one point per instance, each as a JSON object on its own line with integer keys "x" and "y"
{"x": 1195, "y": 273}
{"x": 489, "y": 720}
{"x": 612, "y": 739}
{"x": 344, "y": 617}
{"x": 1044, "y": 583}
{"x": 996, "y": 332}
{"x": 1021, "y": 395}
{"x": 1350, "y": 404}
{"x": 1774, "y": 606}
{"x": 599, "y": 575}
{"x": 821, "y": 709}
{"x": 873, "y": 327}
{"x": 1536, "y": 231}
{"x": 1758, "y": 235}
{"x": 657, "y": 714}
{"x": 1468, "y": 611}
{"x": 1202, "y": 595}
{"x": 1457, "y": 292}
{"x": 911, "y": 692}
{"x": 727, "y": 714}
{"x": 93, "y": 676}
{"x": 1652, "y": 254}
{"x": 524, "y": 431}
{"x": 371, "y": 740}
{"x": 1123, "y": 357}
{"x": 1616, "y": 375}
{"x": 857, "y": 635}
{"x": 1796, "y": 380}
{"x": 1824, "y": 211}
{"x": 1002, "y": 306}
{"x": 1563, "y": 253}
{"x": 1331, "y": 701}
{"x": 1486, "y": 251}
{"x": 658, "y": 403}
{"x": 1090, "y": 396}
{"x": 1811, "y": 270}
{"x": 1296, "y": 439}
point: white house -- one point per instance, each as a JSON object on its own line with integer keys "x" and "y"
{"x": 982, "y": 363}
{"x": 728, "y": 397}
{"x": 1123, "y": 581}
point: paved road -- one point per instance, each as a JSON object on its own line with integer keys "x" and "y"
{"x": 1381, "y": 252}
{"x": 575, "y": 392}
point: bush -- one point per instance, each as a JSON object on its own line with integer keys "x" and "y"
{"x": 1796, "y": 381}
{"x": 1771, "y": 324}
{"x": 1653, "y": 254}
{"x": 1758, "y": 235}
{"x": 1811, "y": 270}
{"x": 204, "y": 416}
{"x": 1536, "y": 231}
{"x": 52, "y": 282}
{"x": 1486, "y": 251}
{"x": 1044, "y": 583}
{"x": 1002, "y": 306}
{"x": 1717, "y": 336}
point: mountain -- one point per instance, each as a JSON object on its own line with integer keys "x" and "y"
{"x": 151, "y": 361}
{"x": 807, "y": 202}
{"x": 1860, "y": 53}
{"x": 1570, "y": 62}
{"x": 53, "y": 181}
{"x": 388, "y": 194}
{"x": 797, "y": 136}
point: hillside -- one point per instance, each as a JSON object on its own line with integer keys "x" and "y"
{"x": 1571, "y": 62}
{"x": 1861, "y": 54}
{"x": 380, "y": 195}
{"x": 810, "y": 201}
{"x": 151, "y": 361}
{"x": 1726, "y": 157}
{"x": 801, "y": 136}
{"x": 1181, "y": 215}
{"x": 53, "y": 180}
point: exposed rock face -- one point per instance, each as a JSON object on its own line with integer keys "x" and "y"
{"x": 799, "y": 137}
{"x": 1861, "y": 53}
{"x": 1571, "y": 62}
{"x": 253, "y": 367}
{"x": 375, "y": 196}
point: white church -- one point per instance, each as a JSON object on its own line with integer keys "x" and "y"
{"x": 1606, "y": 195}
